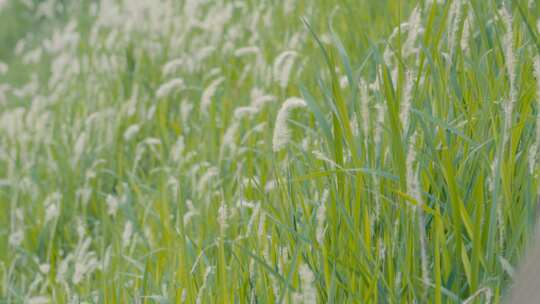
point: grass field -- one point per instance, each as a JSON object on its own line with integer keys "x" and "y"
{"x": 296, "y": 151}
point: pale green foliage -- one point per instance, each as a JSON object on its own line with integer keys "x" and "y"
{"x": 149, "y": 151}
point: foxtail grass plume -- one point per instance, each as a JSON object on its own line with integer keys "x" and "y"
{"x": 169, "y": 87}
{"x": 536, "y": 145}
{"x": 413, "y": 188}
{"x": 468, "y": 26}
{"x": 485, "y": 291}
{"x": 415, "y": 29}
{"x": 308, "y": 294}
{"x": 209, "y": 92}
{"x": 407, "y": 100}
{"x": 364, "y": 102}
{"x": 282, "y": 133}
{"x": 321, "y": 218}
{"x": 510, "y": 62}
{"x": 246, "y": 51}
{"x": 282, "y": 67}
{"x": 223, "y": 216}
{"x": 455, "y": 16}
{"x": 3, "y": 68}
{"x": 380, "y": 109}
{"x": 126, "y": 235}
{"x": 38, "y": 300}
{"x": 172, "y": 66}
{"x": 52, "y": 204}
{"x": 112, "y": 204}
{"x": 131, "y": 131}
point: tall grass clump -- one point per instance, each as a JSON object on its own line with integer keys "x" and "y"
{"x": 267, "y": 151}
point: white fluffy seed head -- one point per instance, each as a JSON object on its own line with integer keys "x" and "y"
{"x": 379, "y": 125}
{"x": 246, "y": 51}
{"x": 169, "y": 87}
{"x": 247, "y": 111}
{"x": 209, "y": 92}
{"x": 537, "y": 76}
{"x": 52, "y": 203}
{"x": 16, "y": 237}
{"x": 412, "y": 180}
{"x": 259, "y": 99}
{"x": 321, "y": 218}
{"x": 112, "y": 204}
{"x": 415, "y": 29}
{"x": 126, "y": 235}
{"x": 252, "y": 218}
{"x": 455, "y": 19}
{"x": 85, "y": 261}
{"x": 44, "y": 268}
{"x": 308, "y": 294}
{"x": 467, "y": 29}
{"x": 229, "y": 138}
{"x": 508, "y": 43}
{"x": 177, "y": 151}
{"x": 407, "y": 100}
{"x": 79, "y": 148}
{"x": 536, "y": 145}
{"x": 431, "y": 2}
{"x": 509, "y": 57}
{"x": 282, "y": 134}
{"x": 364, "y": 100}
{"x": 282, "y": 67}
{"x": 191, "y": 212}
{"x": 172, "y": 66}
{"x": 3, "y": 68}
{"x": 186, "y": 108}
{"x": 223, "y": 216}
{"x": 131, "y": 131}
{"x": 38, "y": 300}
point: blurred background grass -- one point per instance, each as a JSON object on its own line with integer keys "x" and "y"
{"x": 97, "y": 124}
